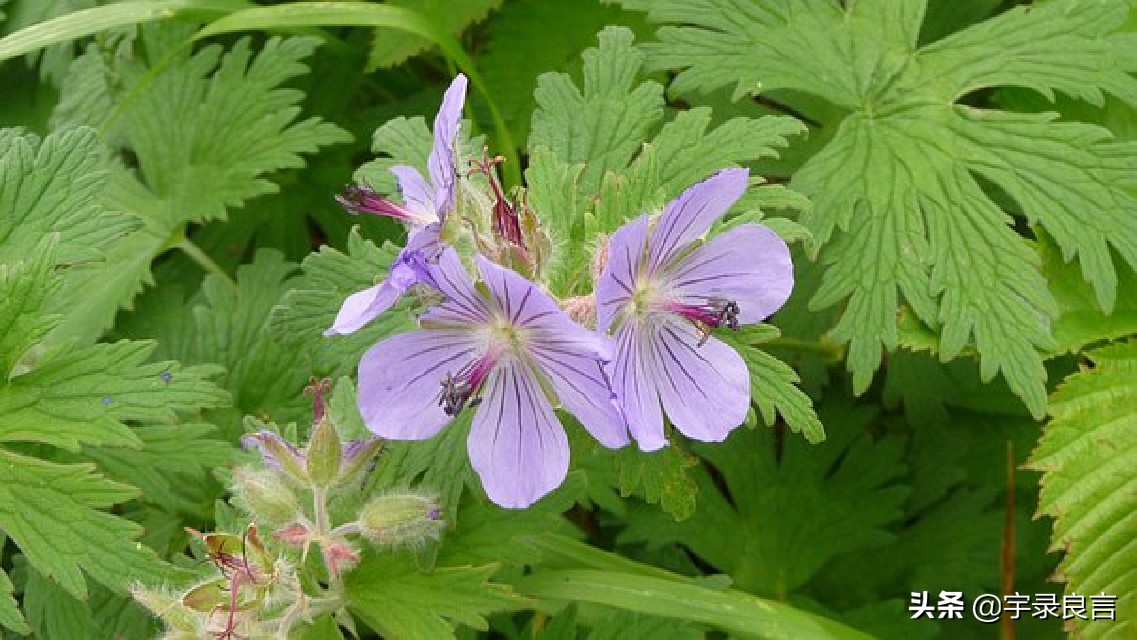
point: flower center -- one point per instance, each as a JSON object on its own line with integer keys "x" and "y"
{"x": 463, "y": 389}
{"x": 711, "y": 314}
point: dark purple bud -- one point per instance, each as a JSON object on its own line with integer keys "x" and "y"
{"x": 357, "y": 200}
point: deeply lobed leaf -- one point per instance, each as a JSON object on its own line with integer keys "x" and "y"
{"x": 902, "y": 173}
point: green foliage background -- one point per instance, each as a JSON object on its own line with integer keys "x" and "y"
{"x": 953, "y": 383}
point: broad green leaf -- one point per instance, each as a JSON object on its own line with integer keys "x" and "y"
{"x": 391, "y": 595}
{"x": 53, "y": 185}
{"x": 603, "y": 124}
{"x": 662, "y": 477}
{"x": 52, "y": 513}
{"x": 1081, "y": 322}
{"x": 483, "y": 533}
{"x": 54, "y": 613}
{"x": 205, "y": 129}
{"x": 323, "y": 628}
{"x": 117, "y": 615}
{"x": 168, "y": 458}
{"x": 773, "y": 527}
{"x": 902, "y": 174}
{"x": 86, "y": 396}
{"x": 305, "y": 312}
{"x": 391, "y": 48}
{"x": 532, "y": 37}
{"x": 234, "y": 123}
{"x": 944, "y": 17}
{"x": 25, "y": 290}
{"x": 1087, "y": 455}
{"x": 230, "y": 327}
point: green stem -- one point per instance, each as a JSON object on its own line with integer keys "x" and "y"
{"x": 320, "y": 510}
{"x": 203, "y": 260}
{"x": 832, "y": 350}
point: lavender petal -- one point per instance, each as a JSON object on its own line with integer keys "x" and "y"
{"x": 464, "y": 305}
{"x": 749, "y": 265}
{"x": 442, "y": 156}
{"x": 705, "y": 388}
{"x": 633, "y": 376}
{"x": 364, "y": 306}
{"x": 583, "y": 388}
{"x": 516, "y": 445}
{"x": 618, "y": 279}
{"x": 400, "y": 381}
{"x": 691, "y": 215}
{"x": 418, "y": 196}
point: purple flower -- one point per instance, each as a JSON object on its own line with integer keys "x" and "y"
{"x": 663, "y": 292}
{"x": 505, "y": 352}
{"x": 425, "y": 207}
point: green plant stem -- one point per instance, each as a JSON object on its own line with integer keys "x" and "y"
{"x": 203, "y": 260}
{"x": 831, "y": 350}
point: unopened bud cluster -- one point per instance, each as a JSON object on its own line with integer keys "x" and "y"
{"x": 258, "y": 590}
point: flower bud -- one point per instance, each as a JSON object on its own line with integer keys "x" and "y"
{"x": 296, "y": 535}
{"x": 267, "y": 496}
{"x": 324, "y": 454}
{"x": 399, "y": 519}
{"x": 358, "y": 454}
{"x": 339, "y": 556}
{"x": 278, "y": 454}
{"x": 582, "y": 309}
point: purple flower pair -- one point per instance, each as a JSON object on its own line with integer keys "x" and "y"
{"x": 507, "y": 351}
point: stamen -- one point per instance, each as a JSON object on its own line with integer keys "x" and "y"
{"x": 712, "y": 314}
{"x": 464, "y": 389}
{"x": 357, "y": 199}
